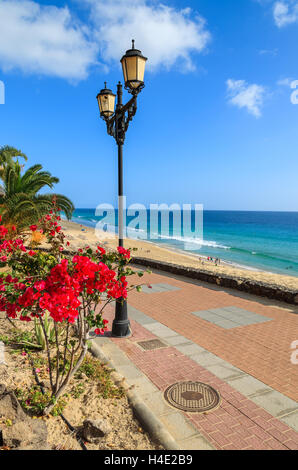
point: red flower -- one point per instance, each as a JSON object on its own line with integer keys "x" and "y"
{"x": 122, "y": 251}
{"x": 33, "y": 228}
{"x": 40, "y": 285}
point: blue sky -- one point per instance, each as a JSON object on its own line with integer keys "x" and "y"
{"x": 215, "y": 123}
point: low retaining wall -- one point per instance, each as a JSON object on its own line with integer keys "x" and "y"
{"x": 245, "y": 285}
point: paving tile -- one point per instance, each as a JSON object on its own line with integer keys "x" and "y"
{"x": 129, "y": 371}
{"x": 257, "y": 346}
{"x": 276, "y": 403}
{"x": 246, "y": 314}
{"x": 225, "y": 371}
{"x": 140, "y": 317}
{"x": 158, "y": 288}
{"x": 119, "y": 359}
{"x": 230, "y": 317}
{"x": 100, "y": 340}
{"x": 226, "y": 324}
{"x": 150, "y": 290}
{"x": 206, "y": 359}
{"x": 291, "y": 420}
{"x": 168, "y": 287}
{"x": 142, "y": 385}
{"x": 179, "y": 426}
{"x": 177, "y": 340}
{"x": 206, "y": 315}
{"x": 195, "y": 443}
{"x": 161, "y": 330}
{"x": 157, "y": 403}
{"x": 189, "y": 349}
{"x": 248, "y": 385}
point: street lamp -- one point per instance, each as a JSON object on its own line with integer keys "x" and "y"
{"x": 117, "y": 121}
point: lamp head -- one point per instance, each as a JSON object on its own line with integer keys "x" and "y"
{"x": 133, "y": 66}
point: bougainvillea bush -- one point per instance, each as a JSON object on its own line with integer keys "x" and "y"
{"x": 71, "y": 290}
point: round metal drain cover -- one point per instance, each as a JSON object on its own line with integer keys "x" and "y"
{"x": 196, "y": 397}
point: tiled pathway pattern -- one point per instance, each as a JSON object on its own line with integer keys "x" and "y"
{"x": 231, "y": 349}
{"x": 262, "y": 349}
{"x": 230, "y": 317}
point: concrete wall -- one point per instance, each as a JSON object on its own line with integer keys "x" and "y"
{"x": 252, "y": 287}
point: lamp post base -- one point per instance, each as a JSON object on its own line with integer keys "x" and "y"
{"x": 121, "y": 324}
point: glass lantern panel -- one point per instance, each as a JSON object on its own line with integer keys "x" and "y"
{"x": 141, "y": 69}
{"x": 131, "y": 68}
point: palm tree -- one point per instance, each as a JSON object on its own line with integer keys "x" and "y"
{"x": 20, "y": 203}
{"x": 7, "y": 155}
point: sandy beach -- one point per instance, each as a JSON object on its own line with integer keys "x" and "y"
{"x": 80, "y": 236}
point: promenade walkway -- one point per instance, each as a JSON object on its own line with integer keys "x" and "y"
{"x": 237, "y": 343}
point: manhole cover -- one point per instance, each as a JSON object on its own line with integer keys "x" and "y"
{"x": 152, "y": 344}
{"x": 195, "y": 397}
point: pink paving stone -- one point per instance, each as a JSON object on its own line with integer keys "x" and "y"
{"x": 262, "y": 423}
{"x": 232, "y": 447}
{"x": 291, "y": 434}
{"x": 205, "y": 426}
{"x": 225, "y": 429}
{"x": 259, "y": 432}
{"x": 237, "y": 424}
{"x": 240, "y": 430}
{"x": 275, "y": 445}
{"x": 220, "y": 438}
{"x": 239, "y": 442}
{"x": 281, "y": 437}
{"x": 257, "y": 444}
{"x": 292, "y": 445}
{"x": 250, "y": 407}
{"x": 246, "y": 422}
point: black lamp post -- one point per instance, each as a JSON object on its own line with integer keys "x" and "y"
{"x": 117, "y": 121}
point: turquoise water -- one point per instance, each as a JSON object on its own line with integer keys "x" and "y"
{"x": 262, "y": 240}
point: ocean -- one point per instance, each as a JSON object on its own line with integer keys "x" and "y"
{"x": 258, "y": 240}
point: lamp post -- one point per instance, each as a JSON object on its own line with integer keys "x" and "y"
{"x": 117, "y": 121}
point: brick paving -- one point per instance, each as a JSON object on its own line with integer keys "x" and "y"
{"x": 261, "y": 350}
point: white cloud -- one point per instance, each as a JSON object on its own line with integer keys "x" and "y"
{"x": 270, "y": 52}
{"x": 243, "y": 95}
{"x": 47, "y": 40}
{"x": 285, "y": 82}
{"x": 285, "y": 12}
{"x": 43, "y": 40}
{"x": 164, "y": 34}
